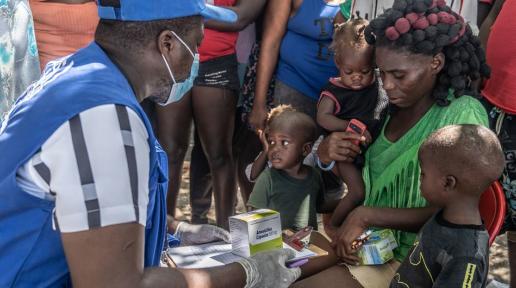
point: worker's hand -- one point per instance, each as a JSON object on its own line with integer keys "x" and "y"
{"x": 190, "y": 234}
{"x": 268, "y": 270}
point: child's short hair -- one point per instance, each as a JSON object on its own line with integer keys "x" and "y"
{"x": 471, "y": 153}
{"x": 278, "y": 111}
{"x": 349, "y": 34}
{"x": 284, "y": 116}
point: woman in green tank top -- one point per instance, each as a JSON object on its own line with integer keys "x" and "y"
{"x": 424, "y": 71}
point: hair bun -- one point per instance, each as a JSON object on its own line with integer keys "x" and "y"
{"x": 419, "y": 7}
{"x": 418, "y": 35}
{"x": 412, "y": 17}
{"x": 421, "y": 23}
{"x": 402, "y": 25}
{"x": 400, "y": 5}
{"x": 391, "y": 33}
{"x": 433, "y": 19}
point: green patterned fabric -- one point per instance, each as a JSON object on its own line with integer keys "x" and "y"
{"x": 391, "y": 172}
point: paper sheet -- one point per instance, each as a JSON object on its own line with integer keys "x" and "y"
{"x": 216, "y": 254}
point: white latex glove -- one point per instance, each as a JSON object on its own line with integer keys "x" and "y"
{"x": 190, "y": 234}
{"x": 268, "y": 270}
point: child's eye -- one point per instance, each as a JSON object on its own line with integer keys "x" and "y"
{"x": 398, "y": 75}
{"x": 271, "y": 142}
{"x": 365, "y": 72}
{"x": 284, "y": 142}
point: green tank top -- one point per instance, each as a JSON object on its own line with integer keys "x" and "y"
{"x": 391, "y": 171}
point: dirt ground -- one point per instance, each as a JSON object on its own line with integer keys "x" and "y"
{"x": 498, "y": 259}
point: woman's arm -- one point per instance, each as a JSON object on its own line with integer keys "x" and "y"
{"x": 276, "y": 20}
{"x": 485, "y": 29}
{"x": 247, "y": 11}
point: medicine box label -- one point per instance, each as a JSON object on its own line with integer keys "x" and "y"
{"x": 378, "y": 249}
{"x": 255, "y": 231}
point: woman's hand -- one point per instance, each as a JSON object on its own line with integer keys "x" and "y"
{"x": 258, "y": 117}
{"x": 339, "y": 146}
{"x": 368, "y": 138}
{"x": 354, "y": 225}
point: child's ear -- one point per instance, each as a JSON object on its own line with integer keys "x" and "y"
{"x": 307, "y": 148}
{"x": 336, "y": 60}
{"x": 450, "y": 183}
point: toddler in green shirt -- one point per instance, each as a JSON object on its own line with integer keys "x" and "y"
{"x": 287, "y": 185}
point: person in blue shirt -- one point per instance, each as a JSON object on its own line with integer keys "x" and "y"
{"x": 295, "y": 45}
{"x": 82, "y": 177}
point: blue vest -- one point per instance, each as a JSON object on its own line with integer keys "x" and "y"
{"x": 31, "y": 252}
{"x": 305, "y": 61}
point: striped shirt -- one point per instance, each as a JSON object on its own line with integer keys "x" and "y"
{"x": 96, "y": 169}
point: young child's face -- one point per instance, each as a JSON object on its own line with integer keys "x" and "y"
{"x": 432, "y": 186}
{"x": 355, "y": 67}
{"x": 285, "y": 148}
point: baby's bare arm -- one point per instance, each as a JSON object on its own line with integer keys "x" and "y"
{"x": 325, "y": 117}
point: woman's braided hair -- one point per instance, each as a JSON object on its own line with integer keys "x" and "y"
{"x": 429, "y": 27}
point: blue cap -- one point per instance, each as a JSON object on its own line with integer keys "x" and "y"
{"x": 149, "y": 10}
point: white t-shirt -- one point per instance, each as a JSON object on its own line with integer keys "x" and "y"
{"x": 95, "y": 167}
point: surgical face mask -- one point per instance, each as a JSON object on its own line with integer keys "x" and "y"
{"x": 179, "y": 89}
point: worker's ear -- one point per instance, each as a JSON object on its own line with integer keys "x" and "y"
{"x": 168, "y": 45}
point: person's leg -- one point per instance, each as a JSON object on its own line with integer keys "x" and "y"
{"x": 504, "y": 126}
{"x": 173, "y": 131}
{"x": 508, "y": 139}
{"x": 200, "y": 183}
{"x": 511, "y": 245}
{"x": 246, "y": 146}
{"x": 214, "y": 112}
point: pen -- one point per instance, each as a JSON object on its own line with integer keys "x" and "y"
{"x": 297, "y": 263}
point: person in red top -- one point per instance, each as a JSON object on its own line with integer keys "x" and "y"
{"x": 498, "y": 34}
{"x": 63, "y": 26}
{"x": 211, "y": 105}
